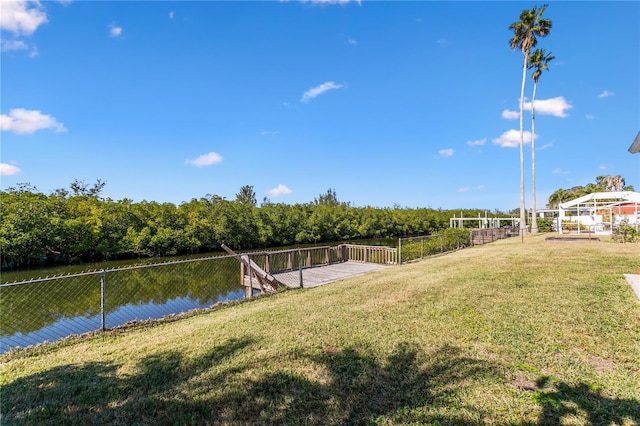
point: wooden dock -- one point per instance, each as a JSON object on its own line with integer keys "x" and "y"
{"x": 310, "y": 266}
{"x": 320, "y": 275}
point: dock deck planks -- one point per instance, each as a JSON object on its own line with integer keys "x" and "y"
{"x": 320, "y": 275}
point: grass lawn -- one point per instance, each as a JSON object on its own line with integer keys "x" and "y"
{"x": 511, "y": 332}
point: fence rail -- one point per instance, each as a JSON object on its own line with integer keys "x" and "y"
{"x": 483, "y": 236}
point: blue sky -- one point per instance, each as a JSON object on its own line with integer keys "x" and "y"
{"x": 389, "y": 103}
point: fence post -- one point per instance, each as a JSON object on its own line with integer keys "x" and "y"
{"x": 399, "y": 251}
{"x": 250, "y": 277}
{"x": 103, "y": 279}
{"x": 300, "y": 267}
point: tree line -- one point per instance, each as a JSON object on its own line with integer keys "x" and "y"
{"x": 606, "y": 183}
{"x": 79, "y": 225}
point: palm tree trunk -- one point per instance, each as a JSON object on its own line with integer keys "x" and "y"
{"x": 534, "y": 219}
{"x": 523, "y": 218}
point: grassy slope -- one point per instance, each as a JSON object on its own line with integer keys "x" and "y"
{"x": 507, "y": 333}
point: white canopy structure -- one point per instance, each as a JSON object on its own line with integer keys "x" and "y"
{"x": 599, "y": 212}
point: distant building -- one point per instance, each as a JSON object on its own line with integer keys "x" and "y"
{"x": 599, "y": 212}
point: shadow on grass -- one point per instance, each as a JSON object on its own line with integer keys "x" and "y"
{"x": 166, "y": 388}
{"x": 565, "y": 401}
{"x": 339, "y": 386}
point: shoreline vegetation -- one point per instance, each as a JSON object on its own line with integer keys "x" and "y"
{"x": 82, "y": 227}
{"x": 512, "y": 332}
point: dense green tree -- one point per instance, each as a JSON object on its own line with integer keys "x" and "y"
{"x": 247, "y": 196}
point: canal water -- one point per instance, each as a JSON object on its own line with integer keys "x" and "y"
{"x": 52, "y": 309}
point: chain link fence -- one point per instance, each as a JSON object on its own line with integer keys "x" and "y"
{"x": 48, "y": 309}
{"x": 415, "y": 248}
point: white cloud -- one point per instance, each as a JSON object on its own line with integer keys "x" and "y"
{"x": 352, "y": 42}
{"x": 22, "y": 122}
{"x": 318, "y": 90}
{"x": 511, "y": 138}
{"x": 115, "y": 31}
{"x": 172, "y": 14}
{"x": 8, "y": 169}
{"x": 510, "y": 115}
{"x": 21, "y": 17}
{"x": 463, "y": 189}
{"x": 480, "y": 187}
{"x": 478, "y": 142}
{"x": 206, "y": 160}
{"x": 446, "y": 152}
{"x": 555, "y": 106}
{"x": 603, "y": 167}
{"x": 590, "y": 117}
{"x": 269, "y": 132}
{"x": 605, "y": 94}
{"x": 559, "y": 171}
{"x": 279, "y": 190}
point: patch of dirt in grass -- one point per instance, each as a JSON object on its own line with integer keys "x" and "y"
{"x": 331, "y": 350}
{"x": 522, "y": 384}
{"x": 601, "y": 365}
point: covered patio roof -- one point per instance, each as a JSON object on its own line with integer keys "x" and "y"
{"x": 603, "y": 199}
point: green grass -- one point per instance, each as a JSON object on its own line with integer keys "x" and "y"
{"x": 507, "y": 333}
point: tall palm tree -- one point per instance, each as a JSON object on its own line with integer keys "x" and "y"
{"x": 525, "y": 31}
{"x": 539, "y": 61}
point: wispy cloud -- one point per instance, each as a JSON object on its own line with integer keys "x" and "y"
{"x": 478, "y": 142}
{"x": 603, "y": 167}
{"x": 463, "y": 189}
{"x": 172, "y": 14}
{"x": 115, "y": 31}
{"x": 269, "y": 132}
{"x": 511, "y": 138}
{"x": 21, "y": 17}
{"x": 352, "y": 42}
{"x": 319, "y": 90}
{"x": 206, "y": 160}
{"x": 446, "y": 152}
{"x": 23, "y": 122}
{"x": 332, "y": 1}
{"x": 8, "y": 169}
{"x": 16, "y": 45}
{"x": 559, "y": 171}
{"x": 279, "y": 190}
{"x": 545, "y": 146}
{"x": 590, "y": 117}
{"x": 605, "y": 94}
